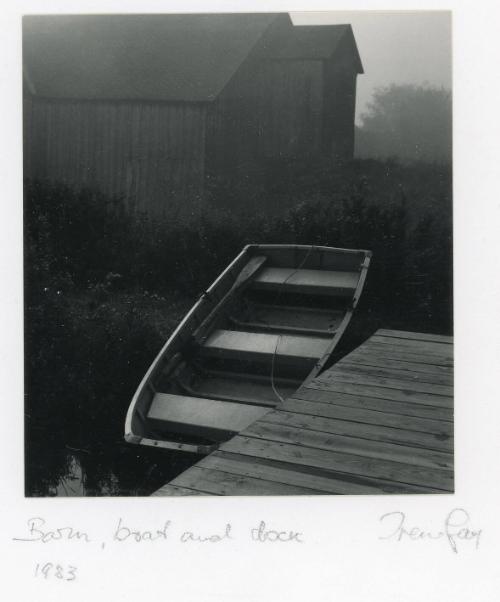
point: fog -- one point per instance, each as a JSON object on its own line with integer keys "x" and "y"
{"x": 411, "y": 47}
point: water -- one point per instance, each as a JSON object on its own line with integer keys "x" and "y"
{"x": 119, "y": 470}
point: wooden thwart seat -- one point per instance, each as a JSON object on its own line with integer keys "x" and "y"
{"x": 243, "y": 388}
{"x": 263, "y": 326}
{"x": 325, "y": 282}
{"x": 262, "y": 346}
{"x": 204, "y": 417}
{"x": 290, "y": 319}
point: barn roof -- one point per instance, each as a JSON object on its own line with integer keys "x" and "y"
{"x": 313, "y": 42}
{"x": 155, "y": 57}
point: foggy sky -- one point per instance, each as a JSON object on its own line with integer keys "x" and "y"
{"x": 395, "y": 47}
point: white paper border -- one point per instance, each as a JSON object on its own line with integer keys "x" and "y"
{"x": 342, "y": 557}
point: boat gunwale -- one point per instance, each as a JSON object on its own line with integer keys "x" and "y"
{"x": 159, "y": 357}
{"x": 345, "y": 320}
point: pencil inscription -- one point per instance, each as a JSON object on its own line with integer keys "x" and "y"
{"x": 124, "y": 533}
{"x": 214, "y": 538}
{"x": 38, "y": 531}
{"x": 263, "y": 534}
{"x": 455, "y": 529}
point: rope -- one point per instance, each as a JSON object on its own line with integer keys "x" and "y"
{"x": 275, "y": 390}
{"x": 278, "y": 340}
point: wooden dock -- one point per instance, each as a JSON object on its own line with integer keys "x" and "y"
{"x": 378, "y": 421}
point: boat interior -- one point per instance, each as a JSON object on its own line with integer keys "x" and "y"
{"x": 256, "y": 351}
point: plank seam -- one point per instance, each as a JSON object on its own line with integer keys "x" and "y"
{"x": 237, "y": 474}
{"x": 300, "y": 428}
{"x": 424, "y": 340}
{"x": 351, "y": 367}
{"x": 338, "y": 471}
{"x": 184, "y": 486}
{"x": 346, "y": 405}
{"x": 347, "y": 379}
{"x": 326, "y": 473}
{"x": 360, "y": 357}
{"x": 302, "y": 446}
{"x": 393, "y": 355}
{"x": 298, "y": 469}
{"x": 422, "y": 402}
{"x": 413, "y": 430}
{"x": 380, "y": 386}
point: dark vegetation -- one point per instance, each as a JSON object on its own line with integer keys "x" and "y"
{"x": 104, "y": 290}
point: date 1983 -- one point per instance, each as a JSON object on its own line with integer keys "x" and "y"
{"x": 52, "y": 571}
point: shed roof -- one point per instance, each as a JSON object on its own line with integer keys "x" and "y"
{"x": 155, "y": 57}
{"x": 313, "y": 42}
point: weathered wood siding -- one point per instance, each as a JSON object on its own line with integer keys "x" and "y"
{"x": 272, "y": 109}
{"x": 151, "y": 154}
{"x": 339, "y": 106}
{"x": 339, "y": 109}
{"x": 282, "y": 109}
{"x": 290, "y": 108}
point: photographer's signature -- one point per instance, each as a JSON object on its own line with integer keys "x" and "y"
{"x": 455, "y": 529}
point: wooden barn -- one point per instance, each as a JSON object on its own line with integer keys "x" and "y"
{"x": 148, "y": 107}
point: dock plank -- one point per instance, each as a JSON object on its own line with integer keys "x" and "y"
{"x": 360, "y": 378}
{"x": 361, "y": 357}
{"x": 416, "y": 336}
{"x": 395, "y": 373}
{"x": 344, "y": 463}
{"x": 311, "y": 433}
{"x": 373, "y": 403}
{"x": 174, "y": 490}
{"x": 408, "y": 354}
{"x": 330, "y": 384}
{"x": 414, "y": 344}
{"x": 219, "y": 482}
{"x": 396, "y": 429}
{"x": 379, "y": 421}
{"x": 287, "y": 473}
{"x": 383, "y": 345}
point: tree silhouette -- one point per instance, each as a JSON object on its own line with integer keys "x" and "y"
{"x": 409, "y": 123}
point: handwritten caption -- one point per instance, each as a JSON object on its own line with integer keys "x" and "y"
{"x": 61, "y": 572}
{"x": 38, "y": 530}
{"x": 455, "y": 530}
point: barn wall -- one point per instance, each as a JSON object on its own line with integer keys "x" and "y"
{"x": 339, "y": 110}
{"x": 152, "y": 154}
{"x": 272, "y": 109}
{"x": 290, "y": 108}
{"x": 340, "y": 77}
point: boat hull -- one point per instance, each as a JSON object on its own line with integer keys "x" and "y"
{"x": 267, "y": 325}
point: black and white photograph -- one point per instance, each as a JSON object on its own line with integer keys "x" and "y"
{"x": 249, "y": 305}
{"x": 238, "y": 254}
